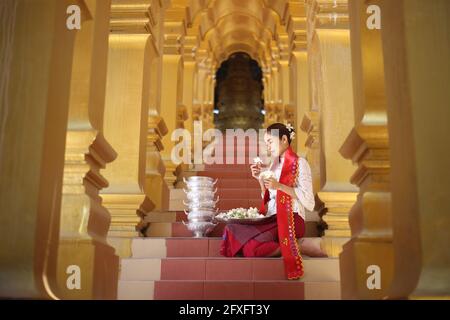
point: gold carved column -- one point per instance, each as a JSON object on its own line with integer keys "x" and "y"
{"x": 131, "y": 51}
{"x": 287, "y": 106}
{"x": 416, "y": 49}
{"x": 333, "y": 100}
{"x": 203, "y": 90}
{"x": 310, "y": 126}
{"x": 36, "y": 62}
{"x": 276, "y": 108}
{"x": 84, "y": 221}
{"x": 155, "y": 186}
{"x": 172, "y": 110}
{"x": 190, "y": 47}
{"x": 368, "y": 256}
{"x": 208, "y": 104}
{"x": 299, "y": 73}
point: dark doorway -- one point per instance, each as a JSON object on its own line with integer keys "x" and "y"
{"x": 238, "y": 95}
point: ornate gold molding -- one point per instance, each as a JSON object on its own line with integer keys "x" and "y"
{"x": 328, "y": 14}
{"x": 296, "y": 26}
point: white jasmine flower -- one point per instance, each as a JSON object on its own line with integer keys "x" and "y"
{"x": 257, "y": 160}
{"x": 266, "y": 174}
{"x": 290, "y": 127}
{"x": 241, "y": 213}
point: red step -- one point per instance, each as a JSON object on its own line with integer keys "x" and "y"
{"x": 227, "y": 167}
{"x": 238, "y": 183}
{"x": 181, "y": 216}
{"x": 236, "y": 160}
{"x": 239, "y": 158}
{"x": 246, "y": 144}
{"x": 220, "y": 269}
{"x": 228, "y": 204}
{"x": 229, "y": 290}
{"x": 184, "y": 247}
{"x": 226, "y": 174}
{"x": 235, "y": 193}
{"x": 239, "y": 151}
{"x": 180, "y": 230}
{"x": 202, "y": 247}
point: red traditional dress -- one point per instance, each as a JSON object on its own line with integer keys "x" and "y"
{"x": 288, "y": 218}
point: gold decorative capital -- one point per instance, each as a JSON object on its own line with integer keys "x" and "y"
{"x": 132, "y": 17}
{"x": 328, "y": 14}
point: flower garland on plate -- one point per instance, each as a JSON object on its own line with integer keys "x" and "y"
{"x": 241, "y": 213}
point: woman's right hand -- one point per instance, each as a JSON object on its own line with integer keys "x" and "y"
{"x": 256, "y": 170}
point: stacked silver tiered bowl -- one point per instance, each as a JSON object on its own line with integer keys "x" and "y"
{"x": 200, "y": 205}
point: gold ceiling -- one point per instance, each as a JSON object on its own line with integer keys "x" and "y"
{"x": 256, "y": 27}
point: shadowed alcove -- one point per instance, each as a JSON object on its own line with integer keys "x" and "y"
{"x": 238, "y": 98}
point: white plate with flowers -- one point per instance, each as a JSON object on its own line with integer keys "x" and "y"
{"x": 242, "y": 216}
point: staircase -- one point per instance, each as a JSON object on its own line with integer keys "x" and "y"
{"x": 171, "y": 264}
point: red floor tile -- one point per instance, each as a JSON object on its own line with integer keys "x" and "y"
{"x": 254, "y": 193}
{"x": 237, "y": 183}
{"x": 235, "y": 193}
{"x": 180, "y": 230}
{"x": 187, "y": 247}
{"x": 181, "y": 216}
{"x": 178, "y": 290}
{"x": 225, "y": 167}
{"x": 268, "y": 269}
{"x": 214, "y": 248}
{"x": 279, "y": 290}
{"x": 253, "y": 183}
{"x": 183, "y": 269}
{"x": 228, "y": 290}
{"x": 228, "y": 269}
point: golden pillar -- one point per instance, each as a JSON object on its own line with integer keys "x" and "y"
{"x": 84, "y": 220}
{"x": 208, "y": 104}
{"x": 267, "y": 92}
{"x": 277, "y": 105}
{"x": 36, "y": 62}
{"x": 330, "y": 39}
{"x": 155, "y": 186}
{"x": 274, "y": 108}
{"x": 287, "y": 107}
{"x": 367, "y": 259}
{"x": 299, "y": 73}
{"x": 172, "y": 110}
{"x": 131, "y": 52}
{"x": 201, "y": 72}
{"x": 416, "y": 47}
{"x": 311, "y": 76}
{"x": 285, "y": 77}
{"x": 203, "y": 91}
{"x": 310, "y": 126}
{"x": 188, "y": 81}
{"x": 265, "y": 81}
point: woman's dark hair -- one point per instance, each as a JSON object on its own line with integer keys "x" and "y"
{"x": 282, "y": 131}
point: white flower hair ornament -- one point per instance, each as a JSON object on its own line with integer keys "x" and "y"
{"x": 291, "y": 131}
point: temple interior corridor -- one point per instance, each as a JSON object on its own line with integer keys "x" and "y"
{"x": 97, "y": 95}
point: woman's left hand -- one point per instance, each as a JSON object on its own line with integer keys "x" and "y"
{"x": 271, "y": 183}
